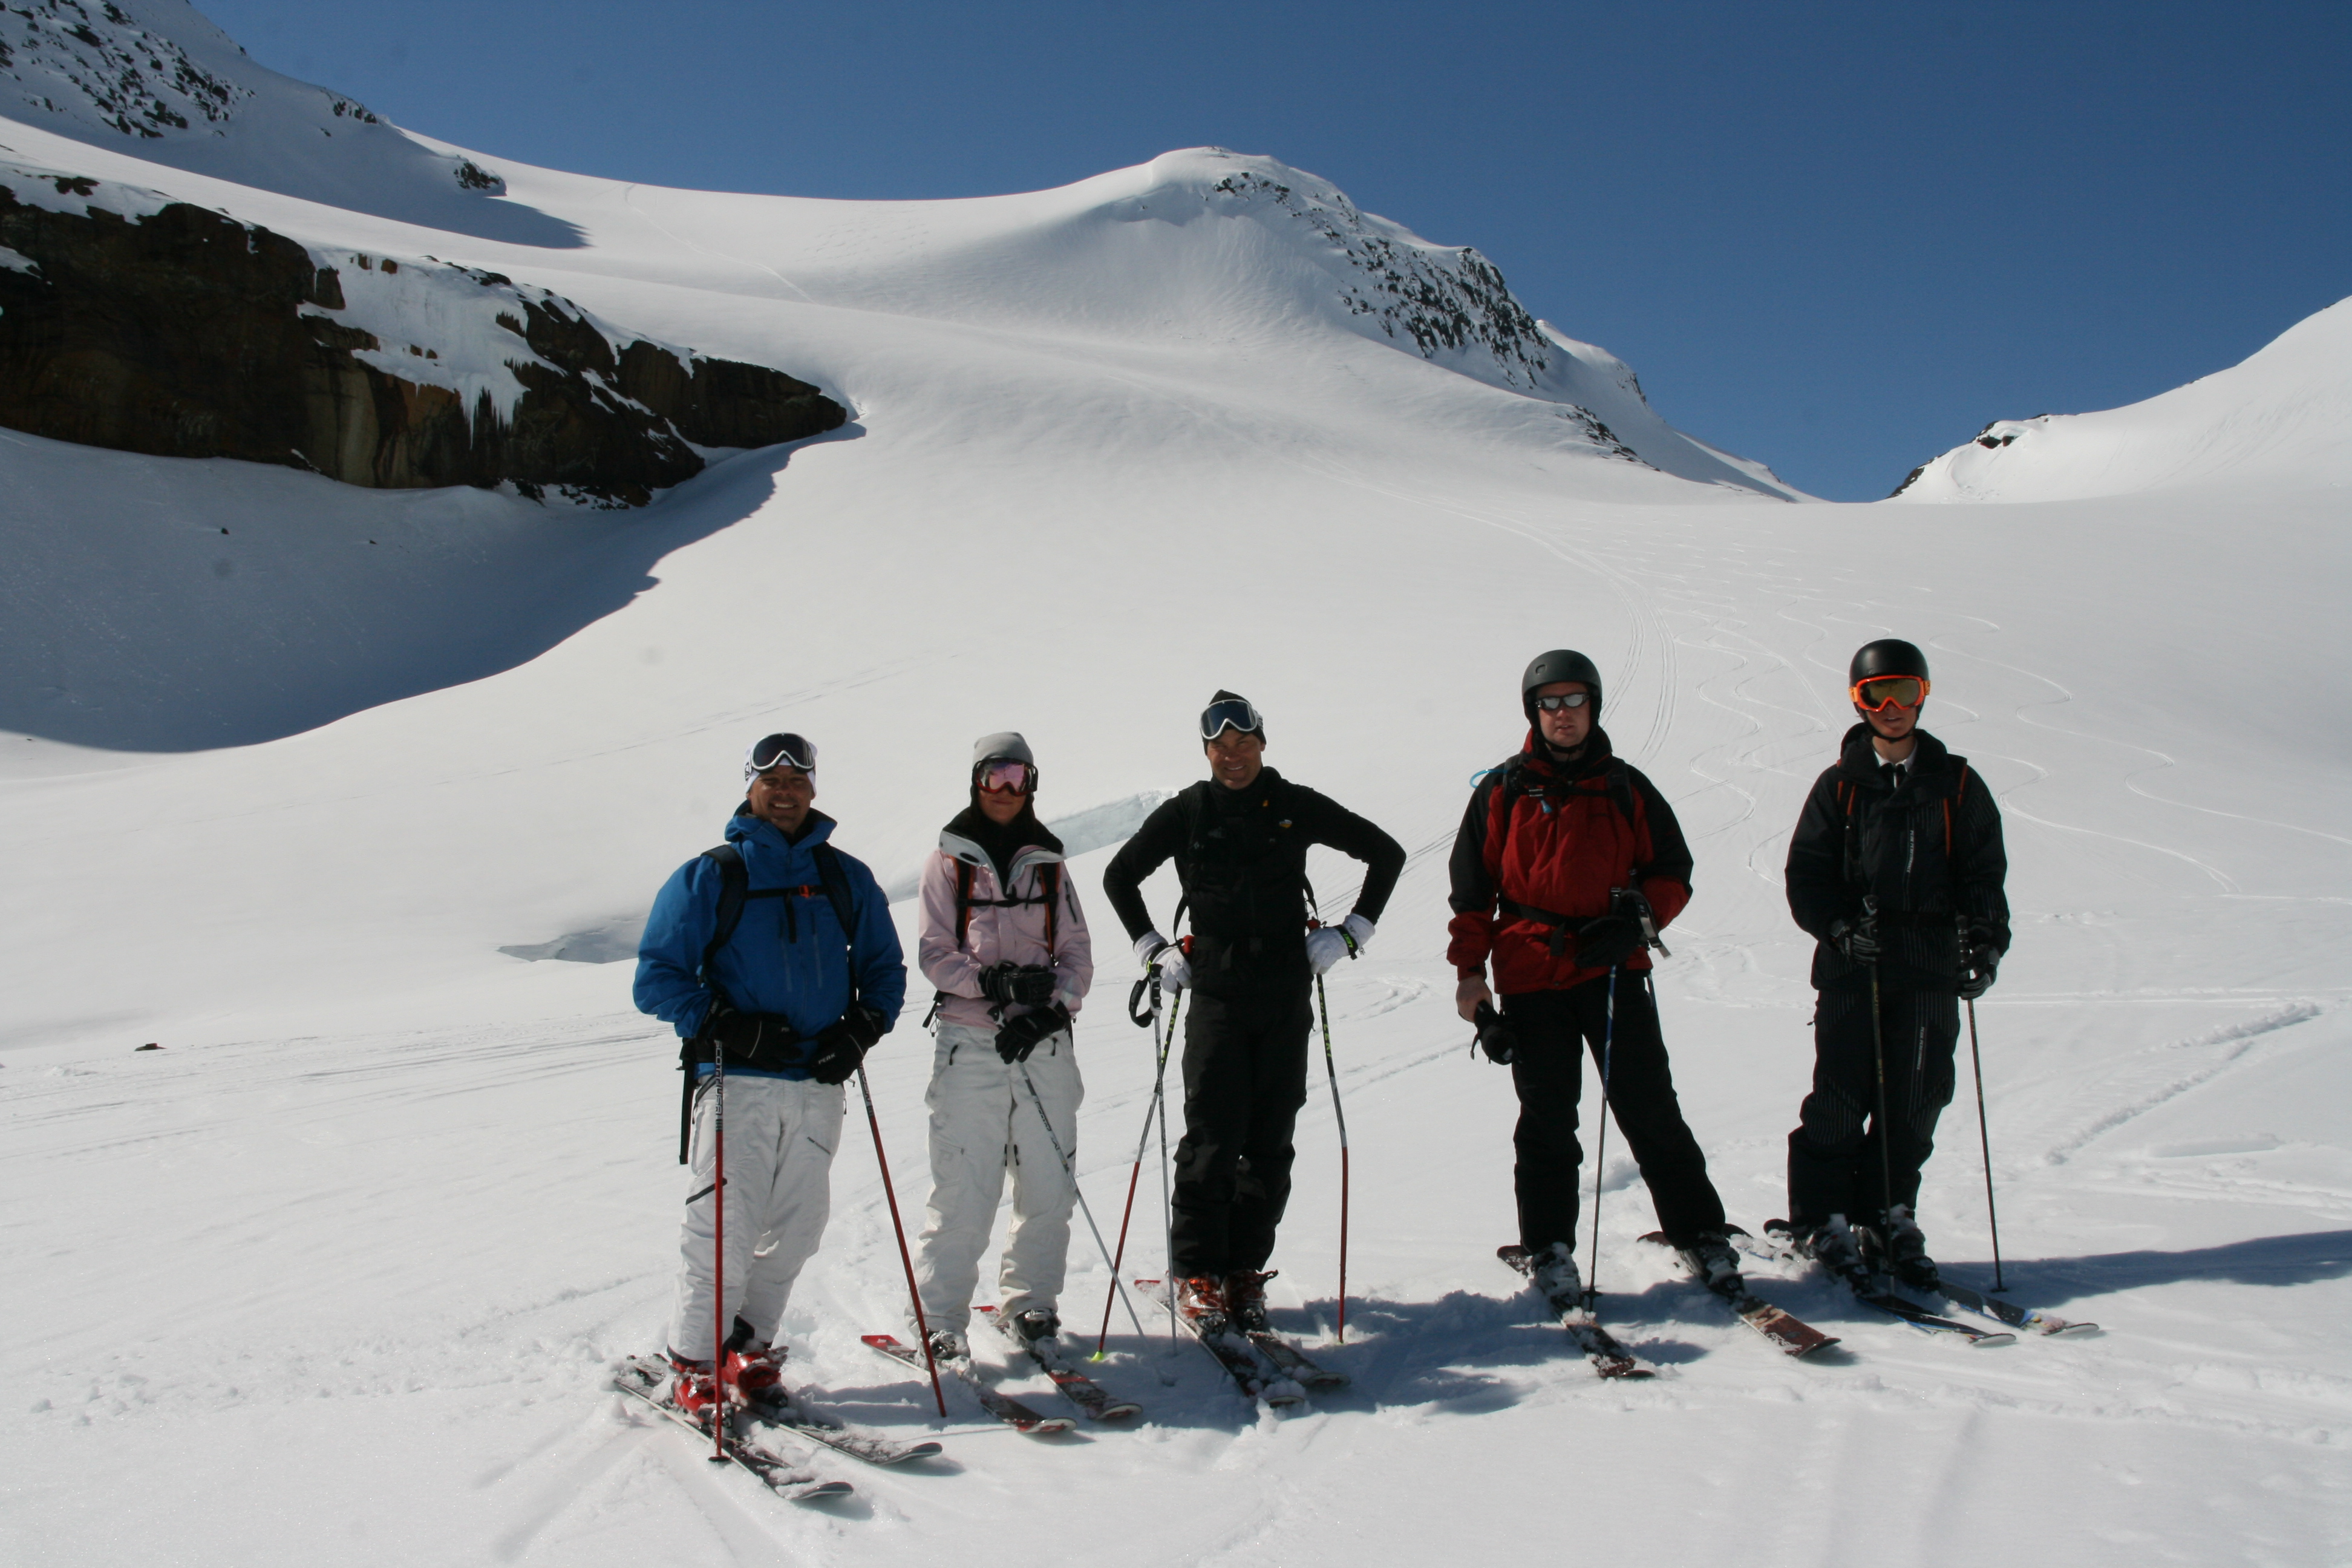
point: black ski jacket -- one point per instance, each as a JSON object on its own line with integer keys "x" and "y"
{"x": 1242, "y": 857}
{"x": 1930, "y": 850}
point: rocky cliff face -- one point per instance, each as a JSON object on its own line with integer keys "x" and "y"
{"x": 130, "y": 321}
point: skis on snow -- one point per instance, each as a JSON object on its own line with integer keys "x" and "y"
{"x": 794, "y": 1413}
{"x": 1053, "y": 1359}
{"x": 995, "y": 1401}
{"x": 2031, "y": 1320}
{"x": 1788, "y": 1334}
{"x": 1238, "y": 1354}
{"x": 1778, "y": 1245}
{"x": 1609, "y": 1358}
{"x": 647, "y": 1381}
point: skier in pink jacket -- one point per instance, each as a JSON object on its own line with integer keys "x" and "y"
{"x": 1004, "y": 941}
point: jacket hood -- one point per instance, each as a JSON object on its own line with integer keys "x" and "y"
{"x": 1858, "y": 759}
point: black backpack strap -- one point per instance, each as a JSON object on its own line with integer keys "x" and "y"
{"x": 734, "y": 887}
{"x": 1049, "y": 885}
{"x": 844, "y": 906}
{"x": 963, "y": 901}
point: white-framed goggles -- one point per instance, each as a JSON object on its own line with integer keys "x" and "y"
{"x": 1232, "y": 713}
{"x": 786, "y": 750}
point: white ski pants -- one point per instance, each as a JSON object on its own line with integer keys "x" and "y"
{"x": 780, "y": 1135}
{"x": 984, "y": 1119}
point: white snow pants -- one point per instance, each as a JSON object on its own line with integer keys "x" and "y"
{"x": 780, "y": 1135}
{"x": 983, "y": 1119}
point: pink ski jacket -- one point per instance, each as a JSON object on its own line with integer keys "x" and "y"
{"x": 993, "y": 934}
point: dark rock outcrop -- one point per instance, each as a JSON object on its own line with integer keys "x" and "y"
{"x": 185, "y": 334}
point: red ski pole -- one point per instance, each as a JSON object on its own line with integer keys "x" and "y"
{"x": 905, "y": 1257}
{"x": 718, "y": 1259}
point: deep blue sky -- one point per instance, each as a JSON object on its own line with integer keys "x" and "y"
{"x": 1838, "y": 238}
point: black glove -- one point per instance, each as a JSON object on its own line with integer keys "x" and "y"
{"x": 1857, "y": 940}
{"x": 1027, "y": 1033}
{"x": 1029, "y": 984}
{"x": 761, "y": 1040}
{"x": 1495, "y": 1034}
{"x": 1607, "y": 941}
{"x": 1976, "y": 967}
{"x": 843, "y": 1044}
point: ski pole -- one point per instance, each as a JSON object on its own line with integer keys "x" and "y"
{"x": 1167, "y": 1196}
{"x": 1600, "y": 1144}
{"x": 905, "y": 1257}
{"x": 1984, "y": 1133}
{"x": 1134, "y": 1175}
{"x": 1879, "y": 1052}
{"x": 1340, "y": 1116}
{"x": 719, "y": 1257}
{"x": 1070, "y": 1168}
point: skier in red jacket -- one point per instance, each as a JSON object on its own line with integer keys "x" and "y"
{"x": 1564, "y": 853}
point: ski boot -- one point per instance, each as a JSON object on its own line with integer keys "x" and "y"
{"x": 1709, "y": 1257}
{"x": 759, "y": 1375}
{"x": 948, "y": 1345}
{"x": 1897, "y": 1246}
{"x": 694, "y": 1387}
{"x": 1200, "y": 1301}
{"x": 1245, "y": 1299}
{"x": 1832, "y": 1245}
{"x": 1037, "y": 1323}
{"x": 1554, "y": 1274}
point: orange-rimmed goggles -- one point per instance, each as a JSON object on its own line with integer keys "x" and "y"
{"x": 1881, "y": 692}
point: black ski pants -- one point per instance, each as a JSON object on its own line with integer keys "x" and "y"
{"x": 1244, "y": 1079}
{"x": 1555, "y": 1028}
{"x": 1834, "y": 1164}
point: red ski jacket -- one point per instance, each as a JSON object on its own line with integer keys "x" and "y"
{"x": 1545, "y": 839}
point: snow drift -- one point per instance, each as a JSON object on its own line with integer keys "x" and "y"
{"x": 2283, "y": 416}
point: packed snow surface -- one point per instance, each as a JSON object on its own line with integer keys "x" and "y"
{"x": 317, "y": 789}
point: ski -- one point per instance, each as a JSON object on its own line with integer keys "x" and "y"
{"x": 1288, "y": 1356}
{"x": 1233, "y": 1354}
{"x": 1609, "y": 1357}
{"x": 1788, "y": 1334}
{"x": 643, "y": 1380}
{"x": 1001, "y": 1405}
{"x": 794, "y": 1413}
{"x": 1076, "y": 1387}
{"x": 2031, "y": 1320}
{"x": 1779, "y": 1247}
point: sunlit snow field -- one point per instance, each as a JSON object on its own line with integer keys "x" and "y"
{"x": 336, "y": 1274}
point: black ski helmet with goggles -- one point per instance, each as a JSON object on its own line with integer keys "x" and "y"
{"x": 1560, "y": 664}
{"x": 1228, "y": 710}
{"x": 1888, "y": 658}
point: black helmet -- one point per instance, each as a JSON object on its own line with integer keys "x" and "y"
{"x": 1887, "y": 656}
{"x": 1560, "y": 664}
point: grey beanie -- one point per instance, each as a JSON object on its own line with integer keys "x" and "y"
{"x": 1004, "y": 744}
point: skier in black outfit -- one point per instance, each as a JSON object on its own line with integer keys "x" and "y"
{"x": 1239, "y": 839}
{"x": 1896, "y": 868}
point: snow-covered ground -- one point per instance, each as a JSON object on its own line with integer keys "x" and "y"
{"x": 335, "y": 1273}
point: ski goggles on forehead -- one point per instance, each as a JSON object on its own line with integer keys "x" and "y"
{"x": 1234, "y": 713}
{"x": 779, "y": 750}
{"x": 1002, "y": 775}
{"x": 1890, "y": 691}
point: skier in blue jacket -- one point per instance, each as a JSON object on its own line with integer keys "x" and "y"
{"x": 794, "y": 1002}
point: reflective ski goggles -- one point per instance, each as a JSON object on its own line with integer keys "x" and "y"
{"x": 1003, "y": 776}
{"x": 1565, "y": 700}
{"x": 1890, "y": 691}
{"x": 778, "y": 750}
{"x": 1234, "y": 713}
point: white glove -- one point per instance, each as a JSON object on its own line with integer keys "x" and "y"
{"x": 1327, "y": 946}
{"x": 1156, "y": 952}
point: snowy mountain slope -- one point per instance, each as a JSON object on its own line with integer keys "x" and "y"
{"x": 402, "y": 1195}
{"x": 156, "y": 80}
{"x": 2283, "y": 416}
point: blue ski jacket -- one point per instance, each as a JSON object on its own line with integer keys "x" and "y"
{"x": 787, "y": 956}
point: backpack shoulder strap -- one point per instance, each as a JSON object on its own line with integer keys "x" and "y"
{"x": 1049, "y": 884}
{"x": 1958, "y": 790}
{"x": 963, "y": 901}
{"x": 1507, "y": 776}
{"x": 844, "y": 910}
{"x": 734, "y": 883}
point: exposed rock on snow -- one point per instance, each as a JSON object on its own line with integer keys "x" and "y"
{"x": 155, "y": 326}
{"x": 2282, "y": 414}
